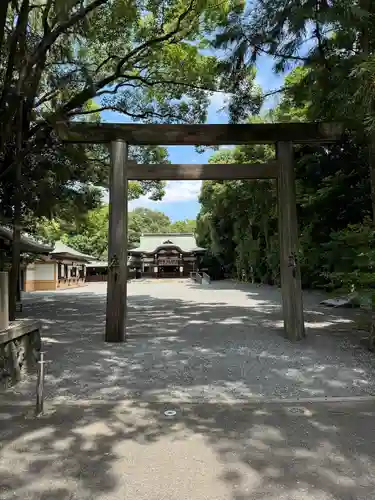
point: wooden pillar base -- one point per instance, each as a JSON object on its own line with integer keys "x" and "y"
{"x": 291, "y": 288}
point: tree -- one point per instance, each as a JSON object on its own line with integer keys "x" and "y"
{"x": 334, "y": 45}
{"x": 238, "y": 220}
{"x": 134, "y": 57}
{"x": 234, "y": 214}
{"x": 89, "y": 235}
{"x": 57, "y": 57}
{"x": 144, "y": 220}
{"x": 183, "y": 226}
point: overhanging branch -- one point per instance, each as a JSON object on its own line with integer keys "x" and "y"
{"x": 138, "y": 116}
{"x": 91, "y": 91}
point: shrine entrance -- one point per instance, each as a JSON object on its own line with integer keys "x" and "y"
{"x": 282, "y": 135}
{"x": 168, "y": 272}
{"x": 165, "y": 255}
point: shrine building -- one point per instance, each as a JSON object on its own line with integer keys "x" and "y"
{"x": 169, "y": 255}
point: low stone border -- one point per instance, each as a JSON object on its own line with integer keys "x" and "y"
{"x": 20, "y": 345}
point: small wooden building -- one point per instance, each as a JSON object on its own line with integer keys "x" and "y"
{"x": 64, "y": 267}
{"x": 44, "y": 267}
{"x": 169, "y": 255}
{"x": 97, "y": 270}
{"x": 30, "y": 249}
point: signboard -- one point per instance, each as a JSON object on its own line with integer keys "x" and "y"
{"x": 168, "y": 261}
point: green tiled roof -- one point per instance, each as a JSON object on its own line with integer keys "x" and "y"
{"x": 150, "y": 242}
{"x": 63, "y": 249}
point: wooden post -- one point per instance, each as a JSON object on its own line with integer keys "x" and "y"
{"x": 4, "y": 300}
{"x": 291, "y": 288}
{"x": 40, "y": 385}
{"x": 117, "y": 244}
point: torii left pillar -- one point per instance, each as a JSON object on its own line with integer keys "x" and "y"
{"x": 115, "y": 329}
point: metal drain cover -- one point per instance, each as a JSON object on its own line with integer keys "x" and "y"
{"x": 301, "y": 410}
{"x": 170, "y": 413}
{"x": 296, "y": 409}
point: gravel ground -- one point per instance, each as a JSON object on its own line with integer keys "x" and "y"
{"x": 216, "y": 343}
{"x": 205, "y": 352}
{"x": 130, "y": 451}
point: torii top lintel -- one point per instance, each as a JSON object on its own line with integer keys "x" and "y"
{"x": 200, "y": 135}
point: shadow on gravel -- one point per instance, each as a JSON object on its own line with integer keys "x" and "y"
{"x": 213, "y": 356}
{"x": 239, "y": 452}
{"x": 196, "y": 351}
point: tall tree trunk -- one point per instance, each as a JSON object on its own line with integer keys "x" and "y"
{"x": 16, "y": 243}
{"x": 3, "y": 18}
{"x": 16, "y": 256}
{"x": 371, "y": 160}
{"x": 366, "y": 50}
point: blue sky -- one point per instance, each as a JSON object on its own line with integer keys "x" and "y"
{"x": 181, "y": 198}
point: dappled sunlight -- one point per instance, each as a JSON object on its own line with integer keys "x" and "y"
{"x": 326, "y": 324}
{"x": 313, "y": 312}
{"x": 322, "y": 427}
{"x": 51, "y": 340}
{"x": 105, "y": 430}
{"x": 233, "y": 321}
{"x": 214, "y": 342}
{"x": 312, "y": 324}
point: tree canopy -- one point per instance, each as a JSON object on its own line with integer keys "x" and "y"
{"x": 64, "y": 60}
{"x": 90, "y": 235}
{"x": 333, "y": 41}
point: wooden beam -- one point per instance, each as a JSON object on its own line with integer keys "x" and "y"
{"x": 174, "y": 172}
{"x": 117, "y": 244}
{"x": 196, "y": 135}
{"x": 291, "y": 289}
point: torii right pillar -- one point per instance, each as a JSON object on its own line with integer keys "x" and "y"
{"x": 291, "y": 288}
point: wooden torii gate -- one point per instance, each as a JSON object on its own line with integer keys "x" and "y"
{"x": 120, "y": 136}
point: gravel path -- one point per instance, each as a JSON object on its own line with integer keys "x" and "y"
{"x": 204, "y": 351}
{"x": 220, "y": 343}
{"x": 130, "y": 451}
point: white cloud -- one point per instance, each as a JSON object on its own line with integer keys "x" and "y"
{"x": 175, "y": 191}
{"x": 182, "y": 191}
